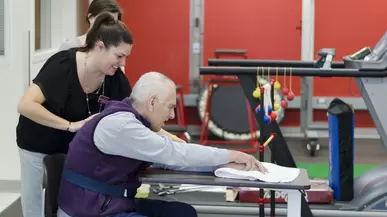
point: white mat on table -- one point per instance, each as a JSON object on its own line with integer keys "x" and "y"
{"x": 275, "y": 173}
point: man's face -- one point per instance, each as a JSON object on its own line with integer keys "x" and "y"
{"x": 162, "y": 110}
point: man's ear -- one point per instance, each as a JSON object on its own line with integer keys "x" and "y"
{"x": 151, "y": 103}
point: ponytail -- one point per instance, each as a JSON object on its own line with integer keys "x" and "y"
{"x": 105, "y": 18}
{"x": 110, "y": 31}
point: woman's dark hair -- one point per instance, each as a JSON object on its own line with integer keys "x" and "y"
{"x": 110, "y": 31}
{"x": 98, "y": 6}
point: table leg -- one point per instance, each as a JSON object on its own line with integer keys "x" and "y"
{"x": 294, "y": 203}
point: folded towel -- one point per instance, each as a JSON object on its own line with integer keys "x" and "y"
{"x": 275, "y": 173}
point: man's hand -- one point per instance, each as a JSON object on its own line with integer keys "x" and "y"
{"x": 246, "y": 162}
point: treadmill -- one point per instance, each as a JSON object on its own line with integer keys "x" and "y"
{"x": 370, "y": 189}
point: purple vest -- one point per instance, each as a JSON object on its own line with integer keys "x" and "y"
{"x": 84, "y": 158}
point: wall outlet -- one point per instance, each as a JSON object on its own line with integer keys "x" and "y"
{"x": 321, "y": 101}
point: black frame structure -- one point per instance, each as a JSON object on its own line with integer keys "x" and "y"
{"x": 270, "y": 63}
{"x": 247, "y": 72}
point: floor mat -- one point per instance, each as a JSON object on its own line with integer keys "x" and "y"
{"x": 321, "y": 171}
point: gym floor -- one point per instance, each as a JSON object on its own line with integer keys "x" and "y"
{"x": 367, "y": 151}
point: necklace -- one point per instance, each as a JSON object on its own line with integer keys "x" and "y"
{"x": 87, "y": 89}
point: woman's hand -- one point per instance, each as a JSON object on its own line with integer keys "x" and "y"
{"x": 75, "y": 126}
{"x": 177, "y": 139}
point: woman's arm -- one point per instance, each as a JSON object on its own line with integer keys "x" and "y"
{"x": 50, "y": 86}
{"x": 31, "y": 107}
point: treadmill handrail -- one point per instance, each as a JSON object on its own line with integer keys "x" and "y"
{"x": 313, "y": 72}
{"x": 268, "y": 63}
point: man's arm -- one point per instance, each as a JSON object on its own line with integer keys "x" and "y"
{"x": 122, "y": 134}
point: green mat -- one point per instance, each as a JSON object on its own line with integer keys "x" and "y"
{"x": 321, "y": 171}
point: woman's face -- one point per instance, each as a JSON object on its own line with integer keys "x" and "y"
{"x": 112, "y": 58}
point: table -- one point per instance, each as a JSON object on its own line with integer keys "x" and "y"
{"x": 293, "y": 188}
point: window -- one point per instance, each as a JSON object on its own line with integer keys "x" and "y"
{"x": 42, "y": 24}
{"x": 57, "y": 21}
{"x": 2, "y": 28}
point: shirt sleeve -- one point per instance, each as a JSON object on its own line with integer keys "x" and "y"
{"x": 72, "y": 43}
{"x": 65, "y": 46}
{"x": 123, "y": 135}
{"x": 53, "y": 79}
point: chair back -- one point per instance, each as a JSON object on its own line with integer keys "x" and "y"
{"x": 52, "y": 173}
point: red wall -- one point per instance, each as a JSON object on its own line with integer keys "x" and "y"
{"x": 161, "y": 38}
{"x": 348, "y": 26}
{"x": 266, "y": 29}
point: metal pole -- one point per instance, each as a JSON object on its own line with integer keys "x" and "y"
{"x": 261, "y": 150}
{"x": 272, "y": 192}
{"x": 196, "y": 20}
{"x": 316, "y": 72}
{"x": 268, "y": 63}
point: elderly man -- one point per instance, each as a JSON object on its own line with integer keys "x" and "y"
{"x": 100, "y": 172}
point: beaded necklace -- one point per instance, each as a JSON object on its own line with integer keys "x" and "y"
{"x": 97, "y": 92}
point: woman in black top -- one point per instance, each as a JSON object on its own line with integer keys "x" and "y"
{"x": 71, "y": 87}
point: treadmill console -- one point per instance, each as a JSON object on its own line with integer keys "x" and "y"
{"x": 353, "y": 61}
{"x": 361, "y": 54}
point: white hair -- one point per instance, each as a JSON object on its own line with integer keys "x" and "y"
{"x": 151, "y": 83}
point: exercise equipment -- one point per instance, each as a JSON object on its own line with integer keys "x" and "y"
{"x": 237, "y": 125}
{"x": 212, "y": 111}
{"x": 325, "y": 61}
{"x": 240, "y": 126}
{"x": 370, "y": 189}
{"x": 341, "y": 149}
{"x": 220, "y": 86}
